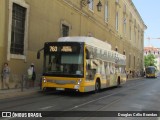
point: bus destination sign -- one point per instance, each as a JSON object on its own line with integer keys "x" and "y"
{"x": 66, "y": 49}
{"x": 62, "y": 49}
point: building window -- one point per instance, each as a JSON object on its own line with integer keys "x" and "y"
{"x": 117, "y": 1}
{"x": 91, "y": 5}
{"x": 138, "y": 36}
{"x": 135, "y": 35}
{"x": 129, "y": 61}
{"x": 65, "y": 30}
{"x": 130, "y": 32}
{"x": 130, "y": 16}
{"x": 124, "y": 25}
{"x": 18, "y": 29}
{"x": 117, "y": 21}
{"x": 124, "y": 9}
{"x": 106, "y": 11}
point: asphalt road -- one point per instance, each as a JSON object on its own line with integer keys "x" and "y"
{"x": 135, "y": 95}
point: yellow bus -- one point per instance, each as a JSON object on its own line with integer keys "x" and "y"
{"x": 151, "y": 71}
{"x": 82, "y": 64}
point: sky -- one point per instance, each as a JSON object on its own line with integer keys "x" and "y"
{"x": 149, "y": 11}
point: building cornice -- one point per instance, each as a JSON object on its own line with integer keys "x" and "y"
{"x": 137, "y": 13}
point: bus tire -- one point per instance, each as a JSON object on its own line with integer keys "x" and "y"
{"x": 118, "y": 82}
{"x": 97, "y": 86}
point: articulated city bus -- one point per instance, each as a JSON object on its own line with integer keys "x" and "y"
{"x": 151, "y": 72}
{"x": 82, "y": 64}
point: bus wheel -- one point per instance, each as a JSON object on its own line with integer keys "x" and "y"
{"x": 118, "y": 82}
{"x": 97, "y": 86}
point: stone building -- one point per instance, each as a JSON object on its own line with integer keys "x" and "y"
{"x": 26, "y": 24}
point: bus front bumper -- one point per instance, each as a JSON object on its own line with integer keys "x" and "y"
{"x": 71, "y": 87}
{"x": 150, "y": 75}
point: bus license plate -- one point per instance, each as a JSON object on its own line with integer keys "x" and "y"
{"x": 59, "y": 88}
{"x": 76, "y": 87}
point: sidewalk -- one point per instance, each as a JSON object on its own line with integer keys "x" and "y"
{"x": 136, "y": 78}
{"x": 10, "y": 93}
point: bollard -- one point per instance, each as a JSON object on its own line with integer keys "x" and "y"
{"x": 40, "y": 83}
{"x": 22, "y": 83}
{"x": 2, "y": 84}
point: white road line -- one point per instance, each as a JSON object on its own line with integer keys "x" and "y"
{"x": 80, "y": 105}
{"x": 115, "y": 101}
{"x": 48, "y": 107}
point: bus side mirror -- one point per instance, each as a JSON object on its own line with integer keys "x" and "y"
{"x": 38, "y": 55}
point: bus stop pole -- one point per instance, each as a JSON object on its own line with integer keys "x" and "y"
{"x": 22, "y": 83}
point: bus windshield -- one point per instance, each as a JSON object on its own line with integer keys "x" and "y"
{"x": 150, "y": 70}
{"x": 64, "y": 63}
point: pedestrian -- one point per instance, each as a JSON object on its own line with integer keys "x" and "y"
{"x": 31, "y": 75}
{"x": 5, "y": 75}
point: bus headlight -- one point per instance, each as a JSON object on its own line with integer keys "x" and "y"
{"x": 44, "y": 80}
{"x": 79, "y": 81}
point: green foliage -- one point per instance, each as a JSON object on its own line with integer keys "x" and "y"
{"x": 149, "y": 60}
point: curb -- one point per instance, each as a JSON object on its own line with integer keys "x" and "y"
{"x": 135, "y": 78}
{"x": 16, "y": 93}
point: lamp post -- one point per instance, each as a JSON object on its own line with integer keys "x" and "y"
{"x": 99, "y": 6}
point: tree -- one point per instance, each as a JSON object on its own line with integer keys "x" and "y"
{"x": 149, "y": 60}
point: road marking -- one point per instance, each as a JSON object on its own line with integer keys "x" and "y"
{"x": 80, "y": 105}
{"x": 117, "y": 100}
{"x": 137, "y": 106}
{"x": 48, "y": 107}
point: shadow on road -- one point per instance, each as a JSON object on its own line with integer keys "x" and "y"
{"x": 71, "y": 93}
